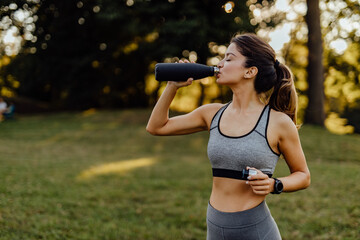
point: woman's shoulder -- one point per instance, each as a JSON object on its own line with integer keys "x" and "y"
{"x": 209, "y": 106}
{"x": 281, "y": 121}
{"x": 213, "y": 106}
{"x": 209, "y": 110}
{"x": 280, "y": 117}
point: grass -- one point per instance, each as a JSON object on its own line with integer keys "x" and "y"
{"x": 99, "y": 175}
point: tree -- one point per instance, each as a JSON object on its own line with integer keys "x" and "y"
{"x": 315, "y": 113}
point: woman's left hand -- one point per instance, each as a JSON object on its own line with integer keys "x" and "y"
{"x": 260, "y": 183}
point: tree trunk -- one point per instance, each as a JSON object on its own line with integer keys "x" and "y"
{"x": 315, "y": 113}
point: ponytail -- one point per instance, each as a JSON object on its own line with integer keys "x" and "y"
{"x": 284, "y": 97}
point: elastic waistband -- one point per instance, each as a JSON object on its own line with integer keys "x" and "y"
{"x": 236, "y": 219}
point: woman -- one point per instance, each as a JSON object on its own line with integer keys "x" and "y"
{"x": 250, "y": 132}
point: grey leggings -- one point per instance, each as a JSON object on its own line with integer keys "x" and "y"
{"x": 253, "y": 224}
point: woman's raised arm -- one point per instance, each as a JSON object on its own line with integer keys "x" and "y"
{"x": 195, "y": 121}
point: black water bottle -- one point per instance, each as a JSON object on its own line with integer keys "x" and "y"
{"x": 180, "y": 72}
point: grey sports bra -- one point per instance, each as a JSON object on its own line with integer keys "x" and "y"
{"x": 230, "y": 155}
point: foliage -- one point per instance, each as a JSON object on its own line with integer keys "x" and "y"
{"x": 296, "y": 58}
{"x": 342, "y": 84}
{"x": 341, "y": 69}
{"x": 342, "y": 87}
{"x": 97, "y": 53}
{"x": 44, "y": 197}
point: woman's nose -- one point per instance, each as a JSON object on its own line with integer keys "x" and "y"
{"x": 220, "y": 64}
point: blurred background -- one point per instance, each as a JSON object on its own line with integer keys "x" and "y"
{"x": 77, "y": 55}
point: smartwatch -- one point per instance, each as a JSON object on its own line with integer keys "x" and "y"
{"x": 278, "y": 186}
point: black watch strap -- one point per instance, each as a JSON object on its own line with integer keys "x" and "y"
{"x": 278, "y": 186}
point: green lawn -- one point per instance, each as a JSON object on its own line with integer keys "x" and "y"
{"x": 102, "y": 176}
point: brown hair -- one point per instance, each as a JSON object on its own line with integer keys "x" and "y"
{"x": 273, "y": 78}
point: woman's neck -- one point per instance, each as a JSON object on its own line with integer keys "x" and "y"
{"x": 245, "y": 98}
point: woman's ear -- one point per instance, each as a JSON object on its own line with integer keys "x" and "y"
{"x": 251, "y": 72}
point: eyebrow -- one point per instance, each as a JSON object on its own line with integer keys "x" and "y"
{"x": 227, "y": 54}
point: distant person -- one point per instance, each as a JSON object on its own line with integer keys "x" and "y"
{"x": 3, "y": 108}
{"x": 249, "y": 132}
{"x": 6, "y": 111}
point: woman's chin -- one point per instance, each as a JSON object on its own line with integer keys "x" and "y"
{"x": 220, "y": 81}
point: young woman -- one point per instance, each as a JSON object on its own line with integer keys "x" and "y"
{"x": 250, "y": 132}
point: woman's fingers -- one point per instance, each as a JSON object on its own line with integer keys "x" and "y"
{"x": 189, "y": 81}
{"x": 260, "y": 189}
{"x": 185, "y": 61}
{"x": 184, "y": 83}
{"x": 258, "y": 176}
{"x": 261, "y": 192}
{"x": 259, "y": 182}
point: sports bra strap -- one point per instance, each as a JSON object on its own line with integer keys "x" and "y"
{"x": 215, "y": 120}
{"x": 263, "y": 121}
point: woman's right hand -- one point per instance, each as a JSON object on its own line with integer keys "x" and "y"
{"x": 181, "y": 84}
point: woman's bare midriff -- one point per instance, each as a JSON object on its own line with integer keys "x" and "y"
{"x": 233, "y": 195}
